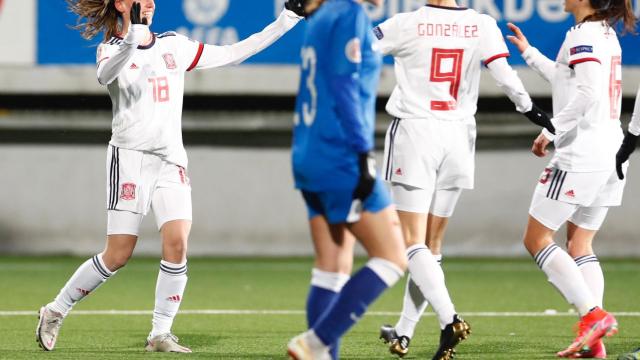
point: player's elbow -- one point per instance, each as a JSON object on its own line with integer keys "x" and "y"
{"x": 103, "y": 80}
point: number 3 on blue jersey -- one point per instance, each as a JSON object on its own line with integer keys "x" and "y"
{"x": 309, "y": 109}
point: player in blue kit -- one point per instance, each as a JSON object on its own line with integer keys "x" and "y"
{"x": 334, "y": 170}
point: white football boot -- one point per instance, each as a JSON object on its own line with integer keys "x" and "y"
{"x": 165, "y": 343}
{"x": 307, "y": 346}
{"x": 49, "y": 323}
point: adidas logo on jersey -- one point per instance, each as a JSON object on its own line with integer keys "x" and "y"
{"x": 133, "y": 66}
{"x": 570, "y": 194}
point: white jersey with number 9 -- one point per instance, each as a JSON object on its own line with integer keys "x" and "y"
{"x": 438, "y": 54}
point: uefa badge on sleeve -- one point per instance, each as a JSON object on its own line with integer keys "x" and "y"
{"x": 128, "y": 191}
{"x": 169, "y": 61}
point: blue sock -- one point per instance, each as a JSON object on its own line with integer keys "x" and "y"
{"x": 318, "y": 301}
{"x": 358, "y": 293}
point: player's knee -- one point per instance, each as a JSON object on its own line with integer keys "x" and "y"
{"x": 176, "y": 247}
{"x": 116, "y": 261}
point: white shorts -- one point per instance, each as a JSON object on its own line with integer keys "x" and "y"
{"x": 440, "y": 203}
{"x": 139, "y": 181}
{"x": 582, "y": 198}
{"x": 430, "y": 154}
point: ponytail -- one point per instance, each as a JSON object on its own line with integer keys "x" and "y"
{"x": 98, "y": 15}
{"x": 614, "y": 12}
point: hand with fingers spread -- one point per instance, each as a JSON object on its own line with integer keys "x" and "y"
{"x": 135, "y": 16}
{"x": 628, "y": 146}
{"x": 518, "y": 39}
{"x": 139, "y": 29}
{"x": 297, "y": 6}
{"x": 539, "y": 147}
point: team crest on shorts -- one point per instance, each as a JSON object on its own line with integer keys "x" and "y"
{"x": 128, "y": 191}
{"x": 169, "y": 61}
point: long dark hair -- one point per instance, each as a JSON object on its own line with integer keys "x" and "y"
{"x": 95, "y": 16}
{"x": 614, "y": 11}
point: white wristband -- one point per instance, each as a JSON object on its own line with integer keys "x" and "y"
{"x": 548, "y": 134}
{"x": 137, "y": 34}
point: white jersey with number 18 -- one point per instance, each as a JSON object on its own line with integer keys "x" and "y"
{"x": 438, "y": 54}
{"x": 147, "y": 95}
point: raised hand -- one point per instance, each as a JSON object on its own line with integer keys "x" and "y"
{"x": 518, "y": 39}
{"x": 297, "y": 6}
{"x": 134, "y": 14}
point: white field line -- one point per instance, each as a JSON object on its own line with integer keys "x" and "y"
{"x": 301, "y": 312}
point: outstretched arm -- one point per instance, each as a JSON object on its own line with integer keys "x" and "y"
{"x": 541, "y": 64}
{"x": 508, "y": 81}
{"x": 215, "y": 56}
{"x": 110, "y": 65}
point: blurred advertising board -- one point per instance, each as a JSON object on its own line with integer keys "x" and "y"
{"x": 227, "y": 21}
{"x": 17, "y": 32}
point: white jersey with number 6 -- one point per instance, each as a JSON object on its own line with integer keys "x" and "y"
{"x": 591, "y": 135}
{"x": 586, "y": 103}
{"x": 438, "y": 54}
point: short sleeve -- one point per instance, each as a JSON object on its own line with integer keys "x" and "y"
{"x": 346, "y": 48}
{"x": 387, "y": 35}
{"x": 581, "y": 46}
{"x": 492, "y": 45}
{"x": 189, "y": 52}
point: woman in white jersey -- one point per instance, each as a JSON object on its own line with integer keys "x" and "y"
{"x": 146, "y": 160}
{"x": 580, "y": 183}
{"x": 429, "y": 152}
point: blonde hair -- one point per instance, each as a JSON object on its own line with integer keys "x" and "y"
{"x": 98, "y": 16}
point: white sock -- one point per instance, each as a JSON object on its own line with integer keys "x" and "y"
{"x": 91, "y": 274}
{"x": 564, "y": 274}
{"x": 172, "y": 279}
{"x": 413, "y": 306}
{"x": 428, "y": 276}
{"x": 332, "y": 281}
{"x": 592, "y": 273}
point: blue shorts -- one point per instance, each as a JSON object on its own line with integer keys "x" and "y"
{"x": 338, "y": 206}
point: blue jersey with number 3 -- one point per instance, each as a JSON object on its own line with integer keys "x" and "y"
{"x": 335, "y": 107}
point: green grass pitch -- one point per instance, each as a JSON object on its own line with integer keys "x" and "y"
{"x": 477, "y": 286}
